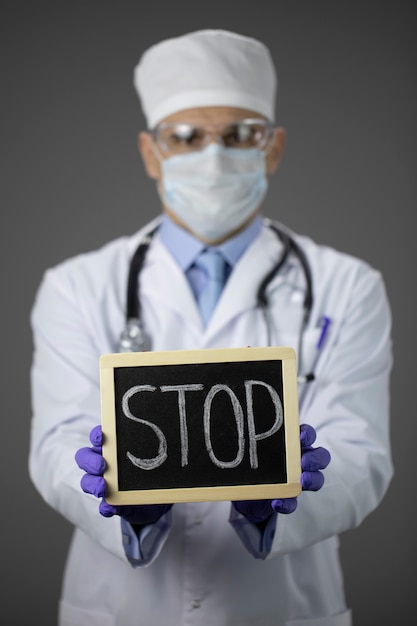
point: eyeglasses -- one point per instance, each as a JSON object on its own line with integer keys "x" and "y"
{"x": 179, "y": 138}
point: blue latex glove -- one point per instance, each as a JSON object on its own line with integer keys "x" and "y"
{"x": 312, "y": 461}
{"x": 91, "y": 461}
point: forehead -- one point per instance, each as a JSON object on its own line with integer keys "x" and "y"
{"x": 201, "y": 116}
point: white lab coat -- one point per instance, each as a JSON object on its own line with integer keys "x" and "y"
{"x": 202, "y": 574}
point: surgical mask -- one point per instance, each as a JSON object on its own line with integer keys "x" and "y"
{"x": 215, "y": 190}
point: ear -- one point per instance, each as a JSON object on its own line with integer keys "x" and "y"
{"x": 274, "y": 154}
{"x": 150, "y": 160}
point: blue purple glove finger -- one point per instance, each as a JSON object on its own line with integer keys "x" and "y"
{"x": 257, "y": 511}
{"x": 307, "y": 435}
{"x": 313, "y": 459}
{"x": 96, "y": 436}
{"x": 311, "y": 481}
{"x": 96, "y": 485}
{"x": 285, "y": 506}
{"x": 91, "y": 461}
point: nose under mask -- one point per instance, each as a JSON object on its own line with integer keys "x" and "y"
{"x": 215, "y": 190}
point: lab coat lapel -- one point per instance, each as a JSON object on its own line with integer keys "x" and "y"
{"x": 164, "y": 281}
{"x": 240, "y": 292}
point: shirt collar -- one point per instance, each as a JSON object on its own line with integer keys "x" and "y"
{"x": 185, "y": 248}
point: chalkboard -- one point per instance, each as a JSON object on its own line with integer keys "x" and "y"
{"x": 200, "y": 425}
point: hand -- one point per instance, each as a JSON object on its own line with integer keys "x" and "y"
{"x": 91, "y": 461}
{"x": 312, "y": 479}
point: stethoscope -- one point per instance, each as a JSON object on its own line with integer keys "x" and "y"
{"x": 135, "y": 339}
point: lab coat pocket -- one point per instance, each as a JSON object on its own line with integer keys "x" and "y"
{"x": 70, "y": 615}
{"x": 343, "y": 619}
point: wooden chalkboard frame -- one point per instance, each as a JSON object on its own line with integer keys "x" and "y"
{"x": 110, "y": 362}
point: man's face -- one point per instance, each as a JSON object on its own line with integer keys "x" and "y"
{"x": 212, "y": 119}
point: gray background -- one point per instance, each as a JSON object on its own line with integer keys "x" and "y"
{"x": 72, "y": 180}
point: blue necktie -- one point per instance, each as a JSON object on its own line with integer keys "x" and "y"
{"x": 213, "y": 264}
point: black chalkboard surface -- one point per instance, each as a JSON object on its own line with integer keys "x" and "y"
{"x": 199, "y": 425}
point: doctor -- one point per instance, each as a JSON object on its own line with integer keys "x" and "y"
{"x": 209, "y": 98}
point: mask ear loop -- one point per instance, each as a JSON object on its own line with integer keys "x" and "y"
{"x": 160, "y": 158}
{"x": 156, "y": 151}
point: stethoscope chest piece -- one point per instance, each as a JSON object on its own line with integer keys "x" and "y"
{"x": 133, "y": 338}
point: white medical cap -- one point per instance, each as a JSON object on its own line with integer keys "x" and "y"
{"x": 205, "y": 68}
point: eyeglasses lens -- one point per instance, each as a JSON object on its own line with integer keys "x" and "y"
{"x": 244, "y": 134}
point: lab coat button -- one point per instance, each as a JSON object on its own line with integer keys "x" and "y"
{"x": 196, "y": 604}
{"x": 198, "y": 521}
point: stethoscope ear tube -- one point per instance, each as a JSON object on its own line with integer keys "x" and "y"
{"x": 133, "y": 337}
{"x": 308, "y": 297}
{"x": 133, "y": 302}
{"x": 261, "y": 295}
{"x": 289, "y": 246}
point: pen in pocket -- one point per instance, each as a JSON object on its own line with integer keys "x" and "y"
{"x": 324, "y": 324}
